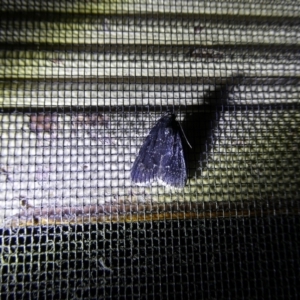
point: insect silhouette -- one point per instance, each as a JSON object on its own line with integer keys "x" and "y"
{"x": 161, "y": 156}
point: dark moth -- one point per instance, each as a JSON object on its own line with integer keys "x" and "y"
{"x": 161, "y": 156}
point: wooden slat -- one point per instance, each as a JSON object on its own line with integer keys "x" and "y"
{"x": 119, "y": 213}
{"x": 241, "y": 8}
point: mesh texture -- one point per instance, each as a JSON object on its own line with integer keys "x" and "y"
{"x": 81, "y": 85}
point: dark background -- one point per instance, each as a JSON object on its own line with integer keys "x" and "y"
{"x": 237, "y": 258}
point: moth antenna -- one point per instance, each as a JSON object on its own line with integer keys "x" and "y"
{"x": 187, "y": 141}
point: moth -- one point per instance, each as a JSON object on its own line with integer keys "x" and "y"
{"x": 161, "y": 156}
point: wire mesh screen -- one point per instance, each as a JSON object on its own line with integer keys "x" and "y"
{"x": 149, "y": 149}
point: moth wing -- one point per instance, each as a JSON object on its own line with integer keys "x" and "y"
{"x": 172, "y": 169}
{"x": 146, "y": 165}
